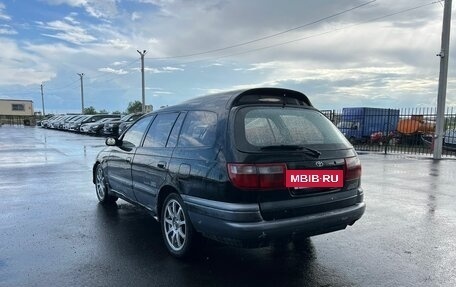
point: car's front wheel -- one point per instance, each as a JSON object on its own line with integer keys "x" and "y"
{"x": 177, "y": 230}
{"x": 101, "y": 187}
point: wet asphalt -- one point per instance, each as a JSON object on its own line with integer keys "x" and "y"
{"x": 54, "y": 233}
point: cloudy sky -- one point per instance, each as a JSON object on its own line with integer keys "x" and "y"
{"x": 340, "y": 53}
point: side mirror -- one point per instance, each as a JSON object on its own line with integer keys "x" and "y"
{"x": 111, "y": 142}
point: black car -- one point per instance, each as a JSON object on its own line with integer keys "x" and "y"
{"x": 91, "y": 119}
{"x": 112, "y": 128}
{"x": 123, "y": 126}
{"x": 95, "y": 128}
{"x": 245, "y": 168}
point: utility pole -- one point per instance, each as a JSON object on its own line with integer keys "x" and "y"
{"x": 42, "y": 100}
{"x": 143, "y": 84}
{"x": 81, "y": 75}
{"x": 443, "y": 75}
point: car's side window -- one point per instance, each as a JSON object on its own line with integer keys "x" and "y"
{"x": 159, "y": 131}
{"x": 132, "y": 137}
{"x": 172, "y": 140}
{"x": 198, "y": 130}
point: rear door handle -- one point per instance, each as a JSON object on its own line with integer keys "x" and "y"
{"x": 161, "y": 164}
{"x": 128, "y": 159}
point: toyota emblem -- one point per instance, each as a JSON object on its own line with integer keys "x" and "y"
{"x": 319, "y": 163}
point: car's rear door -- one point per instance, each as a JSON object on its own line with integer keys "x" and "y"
{"x": 151, "y": 161}
{"x": 297, "y": 139}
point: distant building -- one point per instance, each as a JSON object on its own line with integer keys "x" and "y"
{"x": 16, "y": 111}
{"x": 10, "y": 107}
{"x": 149, "y": 108}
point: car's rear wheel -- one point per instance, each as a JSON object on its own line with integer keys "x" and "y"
{"x": 177, "y": 230}
{"x": 101, "y": 187}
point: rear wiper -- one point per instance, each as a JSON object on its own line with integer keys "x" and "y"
{"x": 314, "y": 152}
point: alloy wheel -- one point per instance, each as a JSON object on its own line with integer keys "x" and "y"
{"x": 100, "y": 184}
{"x": 175, "y": 225}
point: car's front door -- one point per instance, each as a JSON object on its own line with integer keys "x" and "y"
{"x": 121, "y": 157}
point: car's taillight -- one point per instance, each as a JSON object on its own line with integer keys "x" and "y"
{"x": 352, "y": 172}
{"x": 257, "y": 176}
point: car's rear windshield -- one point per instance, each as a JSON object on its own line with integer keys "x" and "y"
{"x": 124, "y": 118}
{"x": 260, "y": 127}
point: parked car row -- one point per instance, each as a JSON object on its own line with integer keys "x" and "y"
{"x": 115, "y": 128}
{"x": 99, "y": 124}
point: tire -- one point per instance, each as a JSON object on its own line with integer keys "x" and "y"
{"x": 101, "y": 187}
{"x": 177, "y": 230}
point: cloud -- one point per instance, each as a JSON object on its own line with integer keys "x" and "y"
{"x": 171, "y": 69}
{"x": 159, "y": 3}
{"x": 3, "y": 15}
{"x": 149, "y": 70}
{"x": 119, "y": 63}
{"x": 159, "y": 70}
{"x": 389, "y": 83}
{"x": 119, "y": 43}
{"x": 72, "y": 20}
{"x": 22, "y": 68}
{"x": 67, "y": 31}
{"x": 160, "y": 93}
{"x": 95, "y": 8}
{"x": 215, "y": 64}
{"x": 113, "y": 71}
{"x": 152, "y": 41}
{"x": 7, "y": 30}
{"x": 135, "y": 16}
{"x": 260, "y": 66}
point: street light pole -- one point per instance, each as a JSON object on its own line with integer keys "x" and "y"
{"x": 42, "y": 100}
{"x": 443, "y": 75}
{"x": 81, "y": 75}
{"x": 143, "y": 83}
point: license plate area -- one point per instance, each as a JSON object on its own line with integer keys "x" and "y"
{"x": 303, "y": 179}
{"x": 308, "y": 191}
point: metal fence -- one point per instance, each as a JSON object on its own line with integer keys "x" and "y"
{"x": 17, "y": 120}
{"x": 409, "y": 131}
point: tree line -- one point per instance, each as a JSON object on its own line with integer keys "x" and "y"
{"x": 133, "y": 107}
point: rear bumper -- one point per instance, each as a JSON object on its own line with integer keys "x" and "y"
{"x": 243, "y": 225}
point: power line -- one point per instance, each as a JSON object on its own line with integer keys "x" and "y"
{"x": 101, "y": 75}
{"x": 63, "y": 87}
{"x": 314, "y": 35}
{"x": 265, "y": 37}
{"x": 113, "y": 76}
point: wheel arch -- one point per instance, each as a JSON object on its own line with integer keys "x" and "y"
{"x": 163, "y": 193}
{"x": 94, "y": 170}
